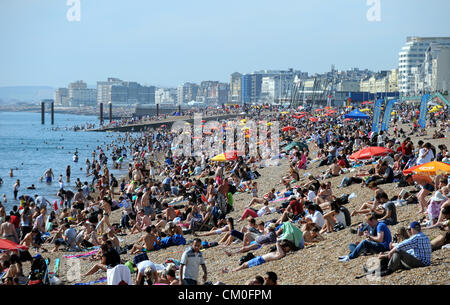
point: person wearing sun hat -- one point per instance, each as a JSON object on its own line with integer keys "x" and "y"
{"x": 413, "y": 252}
{"x": 434, "y": 207}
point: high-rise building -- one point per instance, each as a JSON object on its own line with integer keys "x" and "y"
{"x": 166, "y": 96}
{"x": 62, "y": 97}
{"x": 120, "y": 92}
{"x": 235, "y": 88}
{"x": 186, "y": 93}
{"x": 433, "y": 74}
{"x": 413, "y": 55}
{"x": 81, "y": 95}
{"x": 213, "y": 92}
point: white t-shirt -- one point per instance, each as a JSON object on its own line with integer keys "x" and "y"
{"x": 317, "y": 218}
{"x": 263, "y": 211}
{"x": 311, "y": 196}
{"x": 422, "y": 159}
{"x": 144, "y": 264}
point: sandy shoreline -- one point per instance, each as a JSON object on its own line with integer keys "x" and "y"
{"x": 314, "y": 265}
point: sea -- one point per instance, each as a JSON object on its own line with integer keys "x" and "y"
{"x": 30, "y": 148}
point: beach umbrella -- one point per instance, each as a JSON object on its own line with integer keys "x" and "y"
{"x": 227, "y": 156}
{"x": 6, "y": 244}
{"x": 219, "y": 158}
{"x": 164, "y": 125}
{"x": 314, "y": 120}
{"x": 319, "y": 110}
{"x": 369, "y": 152}
{"x": 203, "y": 121}
{"x": 430, "y": 168}
{"x": 346, "y": 120}
{"x": 365, "y": 110}
{"x": 269, "y": 124}
{"x": 288, "y": 128}
{"x": 284, "y": 112}
{"x": 366, "y": 103}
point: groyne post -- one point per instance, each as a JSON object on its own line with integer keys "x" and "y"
{"x": 110, "y": 111}
{"x": 42, "y": 113}
{"x": 52, "y": 111}
{"x": 101, "y": 113}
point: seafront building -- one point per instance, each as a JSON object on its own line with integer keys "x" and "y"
{"x": 412, "y": 56}
{"x": 434, "y": 73}
{"x": 124, "y": 93}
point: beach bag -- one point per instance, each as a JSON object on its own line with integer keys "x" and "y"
{"x": 338, "y": 227}
{"x": 140, "y": 258}
{"x": 232, "y": 189}
{"x": 348, "y": 218}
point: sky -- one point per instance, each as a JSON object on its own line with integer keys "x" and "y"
{"x": 166, "y": 43}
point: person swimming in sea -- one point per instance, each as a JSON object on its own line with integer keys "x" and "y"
{"x": 32, "y": 187}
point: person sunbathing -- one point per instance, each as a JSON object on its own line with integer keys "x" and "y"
{"x": 252, "y": 227}
{"x": 265, "y": 209}
{"x": 109, "y": 259}
{"x": 147, "y": 242}
{"x": 324, "y": 196}
{"x": 311, "y": 233}
{"x": 142, "y": 221}
{"x": 333, "y": 171}
{"x": 369, "y": 206}
{"x": 283, "y": 247}
{"x": 269, "y": 196}
{"x": 252, "y": 243}
{"x": 217, "y": 231}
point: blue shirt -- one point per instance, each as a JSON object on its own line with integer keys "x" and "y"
{"x": 387, "y": 238}
{"x": 419, "y": 246}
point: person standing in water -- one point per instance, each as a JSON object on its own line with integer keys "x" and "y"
{"x": 16, "y": 188}
{"x": 49, "y": 175}
{"x": 68, "y": 173}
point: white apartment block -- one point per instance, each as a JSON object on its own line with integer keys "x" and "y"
{"x": 413, "y": 55}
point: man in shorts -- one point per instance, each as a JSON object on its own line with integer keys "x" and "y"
{"x": 283, "y": 247}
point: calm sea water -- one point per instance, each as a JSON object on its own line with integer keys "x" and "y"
{"x": 30, "y": 148}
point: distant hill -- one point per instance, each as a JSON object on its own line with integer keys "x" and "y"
{"x": 25, "y": 94}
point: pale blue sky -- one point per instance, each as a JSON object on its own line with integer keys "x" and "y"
{"x": 165, "y": 43}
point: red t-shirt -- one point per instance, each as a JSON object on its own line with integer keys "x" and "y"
{"x": 296, "y": 206}
{"x": 15, "y": 221}
{"x": 342, "y": 163}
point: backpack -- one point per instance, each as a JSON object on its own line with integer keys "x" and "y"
{"x": 348, "y": 218}
{"x": 140, "y": 258}
{"x": 232, "y": 189}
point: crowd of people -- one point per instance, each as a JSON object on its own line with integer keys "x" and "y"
{"x": 166, "y": 199}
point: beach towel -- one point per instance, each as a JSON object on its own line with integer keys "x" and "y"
{"x": 118, "y": 274}
{"x": 83, "y": 254}
{"x": 292, "y": 233}
{"x": 100, "y": 280}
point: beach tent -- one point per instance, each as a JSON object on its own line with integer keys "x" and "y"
{"x": 176, "y": 113}
{"x": 6, "y": 244}
{"x": 356, "y": 114}
{"x": 293, "y": 144}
